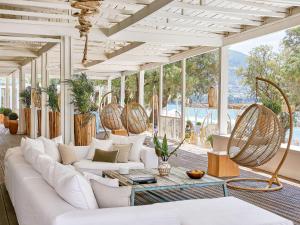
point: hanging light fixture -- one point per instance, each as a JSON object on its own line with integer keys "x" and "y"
{"x": 89, "y": 9}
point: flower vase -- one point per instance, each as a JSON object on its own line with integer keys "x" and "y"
{"x": 164, "y": 168}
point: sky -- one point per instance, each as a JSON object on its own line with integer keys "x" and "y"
{"x": 273, "y": 39}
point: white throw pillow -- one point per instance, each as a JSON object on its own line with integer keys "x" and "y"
{"x": 111, "y": 197}
{"x": 46, "y": 166}
{"x": 51, "y": 147}
{"x": 36, "y": 144}
{"x": 136, "y": 141}
{"x": 105, "y": 181}
{"x": 31, "y": 155}
{"x": 73, "y": 188}
{"x": 105, "y": 145}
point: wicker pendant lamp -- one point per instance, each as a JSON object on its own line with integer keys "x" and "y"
{"x": 255, "y": 140}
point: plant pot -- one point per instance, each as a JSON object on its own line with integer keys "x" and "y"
{"x": 27, "y": 120}
{"x": 164, "y": 168}
{"x": 84, "y": 129}
{"x": 13, "y": 126}
{"x": 54, "y": 124}
{"x": 6, "y": 122}
{"x": 1, "y": 118}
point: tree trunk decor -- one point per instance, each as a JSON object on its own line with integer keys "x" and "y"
{"x": 27, "y": 118}
{"x": 1, "y": 118}
{"x": 84, "y": 129}
{"x": 88, "y": 10}
{"x": 212, "y": 97}
{"x": 54, "y": 124}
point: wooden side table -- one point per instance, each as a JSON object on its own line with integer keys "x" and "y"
{"x": 119, "y": 132}
{"x": 219, "y": 165}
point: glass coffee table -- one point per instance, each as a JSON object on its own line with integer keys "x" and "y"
{"x": 176, "y": 180}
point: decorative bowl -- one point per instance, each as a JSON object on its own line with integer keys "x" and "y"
{"x": 195, "y": 174}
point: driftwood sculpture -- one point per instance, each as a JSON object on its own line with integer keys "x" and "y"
{"x": 88, "y": 10}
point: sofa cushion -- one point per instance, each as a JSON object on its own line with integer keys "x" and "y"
{"x": 137, "y": 144}
{"x": 124, "y": 151}
{"x": 67, "y": 154}
{"x": 36, "y": 144}
{"x": 46, "y": 168}
{"x": 31, "y": 155}
{"x": 51, "y": 147}
{"x": 105, "y": 156}
{"x": 90, "y": 166}
{"x": 98, "y": 144}
{"x": 110, "y": 197}
{"x": 105, "y": 181}
{"x": 73, "y": 188}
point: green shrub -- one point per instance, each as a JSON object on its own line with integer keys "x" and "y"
{"x": 13, "y": 116}
{"x": 6, "y": 111}
{"x": 25, "y": 97}
{"x": 198, "y": 123}
{"x": 275, "y": 106}
{"x": 1, "y": 110}
{"x": 52, "y": 93}
{"x": 82, "y": 91}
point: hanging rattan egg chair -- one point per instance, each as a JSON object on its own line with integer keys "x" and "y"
{"x": 110, "y": 115}
{"x": 255, "y": 140}
{"x": 134, "y": 118}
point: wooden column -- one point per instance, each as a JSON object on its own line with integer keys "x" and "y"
{"x": 44, "y": 82}
{"x": 122, "y": 90}
{"x": 34, "y": 116}
{"x": 183, "y": 97}
{"x": 67, "y": 110}
{"x": 21, "y": 106}
{"x": 223, "y": 90}
{"x": 141, "y": 87}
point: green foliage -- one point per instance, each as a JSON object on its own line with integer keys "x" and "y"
{"x": 25, "y": 97}
{"x": 82, "y": 93}
{"x": 6, "y": 111}
{"x": 94, "y": 107}
{"x": 162, "y": 149}
{"x": 52, "y": 100}
{"x": 282, "y": 68}
{"x": 1, "y": 110}
{"x": 132, "y": 88}
{"x": 274, "y": 105}
{"x": 198, "y": 123}
{"x": 13, "y": 116}
{"x": 210, "y": 140}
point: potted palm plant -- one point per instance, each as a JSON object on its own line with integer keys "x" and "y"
{"x": 54, "y": 113}
{"x": 25, "y": 98}
{"x": 164, "y": 153}
{"x": 1, "y": 115}
{"x": 82, "y": 91}
{"x": 6, "y": 112}
{"x": 13, "y": 123}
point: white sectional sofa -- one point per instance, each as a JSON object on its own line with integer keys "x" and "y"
{"x": 37, "y": 203}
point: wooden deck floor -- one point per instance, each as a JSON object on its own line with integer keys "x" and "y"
{"x": 7, "y": 213}
{"x": 285, "y": 203}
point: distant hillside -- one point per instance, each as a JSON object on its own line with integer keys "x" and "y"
{"x": 236, "y": 60}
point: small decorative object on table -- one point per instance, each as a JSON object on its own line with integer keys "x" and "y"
{"x": 162, "y": 151}
{"x": 195, "y": 174}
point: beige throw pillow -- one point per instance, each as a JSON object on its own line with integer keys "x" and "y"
{"x": 124, "y": 151}
{"x": 67, "y": 154}
{"x": 110, "y": 197}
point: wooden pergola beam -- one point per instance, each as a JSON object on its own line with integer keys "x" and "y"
{"x": 139, "y": 15}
